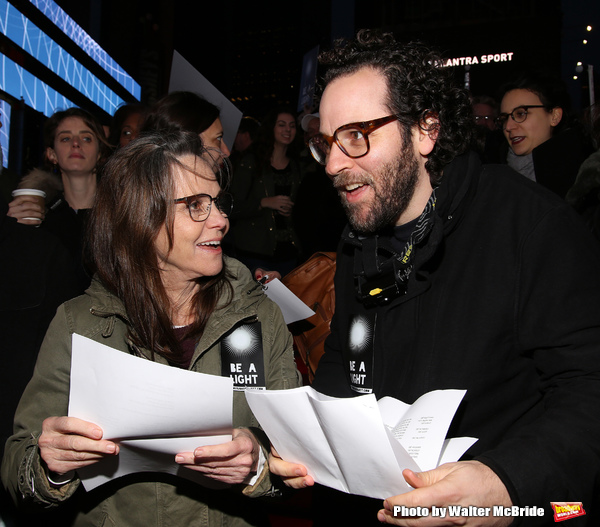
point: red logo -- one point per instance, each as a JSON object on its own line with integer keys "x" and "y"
{"x": 565, "y": 510}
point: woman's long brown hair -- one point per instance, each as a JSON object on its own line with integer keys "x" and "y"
{"x": 134, "y": 201}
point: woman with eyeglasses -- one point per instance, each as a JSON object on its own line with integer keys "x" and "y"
{"x": 545, "y": 143}
{"x": 163, "y": 292}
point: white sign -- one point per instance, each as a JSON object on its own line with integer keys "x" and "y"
{"x": 184, "y": 77}
{"x": 481, "y": 59}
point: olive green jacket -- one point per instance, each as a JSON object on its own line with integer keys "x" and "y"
{"x": 143, "y": 499}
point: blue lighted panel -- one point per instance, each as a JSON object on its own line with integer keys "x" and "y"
{"x": 87, "y": 44}
{"x": 27, "y": 36}
{"x": 19, "y": 83}
{"x": 5, "y": 130}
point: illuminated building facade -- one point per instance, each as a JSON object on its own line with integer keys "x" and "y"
{"x": 48, "y": 63}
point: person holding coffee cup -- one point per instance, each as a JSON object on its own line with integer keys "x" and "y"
{"x": 35, "y": 197}
{"x": 75, "y": 143}
{"x": 27, "y": 208}
{"x": 75, "y": 147}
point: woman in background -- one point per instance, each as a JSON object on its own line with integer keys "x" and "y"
{"x": 76, "y": 148}
{"x": 126, "y": 124}
{"x": 545, "y": 142}
{"x": 265, "y": 187}
{"x": 188, "y": 111}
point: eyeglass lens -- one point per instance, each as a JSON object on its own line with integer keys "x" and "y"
{"x": 199, "y": 206}
{"x": 352, "y": 141}
{"x": 518, "y": 115}
{"x": 319, "y": 148}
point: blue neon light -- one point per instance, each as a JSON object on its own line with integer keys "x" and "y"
{"x": 87, "y": 44}
{"x": 19, "y": 83}
{"x": 5, "y": 109}
{"x": 30, "y": 38}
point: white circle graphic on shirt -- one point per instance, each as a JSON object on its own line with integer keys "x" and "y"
{"x": 360, "y": 335}
{"x": 243, "y": 341}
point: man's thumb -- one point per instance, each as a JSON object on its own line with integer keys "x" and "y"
{"x": 416, "y": 479}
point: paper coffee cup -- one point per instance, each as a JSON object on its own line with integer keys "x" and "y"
{"x": 37, "y": 195}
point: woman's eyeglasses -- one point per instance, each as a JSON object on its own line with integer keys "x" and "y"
{"x": 518, "y": 115}
{"x": 199, "y": 205}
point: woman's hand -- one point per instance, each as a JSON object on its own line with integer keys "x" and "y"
{"x": 230, "y": 462}
{"x": 260, "y": 273}
{"x": 27, "y": 210}
{"x": 293, "y": 475}
{"x": 282, "y": 204}
{"x": 68, "y": 443}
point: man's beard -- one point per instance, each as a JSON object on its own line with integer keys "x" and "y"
{"x": 393, "y": 186}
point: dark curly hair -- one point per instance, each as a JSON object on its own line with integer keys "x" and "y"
{"x": 421, "y": 92}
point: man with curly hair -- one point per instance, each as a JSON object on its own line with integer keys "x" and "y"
{"x": 454, "y": 275}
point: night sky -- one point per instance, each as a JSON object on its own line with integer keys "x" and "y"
{"x": 255, "y": 49}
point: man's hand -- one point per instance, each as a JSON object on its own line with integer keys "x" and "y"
{"x": 68, "y": 443}
{"x": 292, "y": 474}
{"x": 230, "y": 462}
{"x": 464, "y": 483}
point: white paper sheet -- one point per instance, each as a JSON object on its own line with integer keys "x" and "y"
{"x": 351, "y": 444}
{"x": 150, "y": 455}
{"x": 421, "y": 428}
{"x": 138, "y": 403}
{"x": 292, "y": 308}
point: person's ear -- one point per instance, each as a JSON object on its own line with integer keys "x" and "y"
{"x": 556, "y": 116}
{"x": 429, "y": 129}
{"x": 51, "y": 156}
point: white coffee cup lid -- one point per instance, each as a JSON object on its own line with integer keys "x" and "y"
{"x": 28, "y": 192}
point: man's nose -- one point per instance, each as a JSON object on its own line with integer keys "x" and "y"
{"x": 337, "y": 161}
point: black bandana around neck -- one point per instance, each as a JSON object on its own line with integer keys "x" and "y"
{"x": 380, "y": 271}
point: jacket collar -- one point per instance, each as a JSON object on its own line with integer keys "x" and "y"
{"x": 241, "y": 306}
{"x": 457, "y": 188}
{"x": 459, "y": 184}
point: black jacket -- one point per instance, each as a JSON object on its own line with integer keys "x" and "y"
{"x": 556, "y": 161}
{"x": 36, "y": 276}
{"x": 504, "y": 302}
